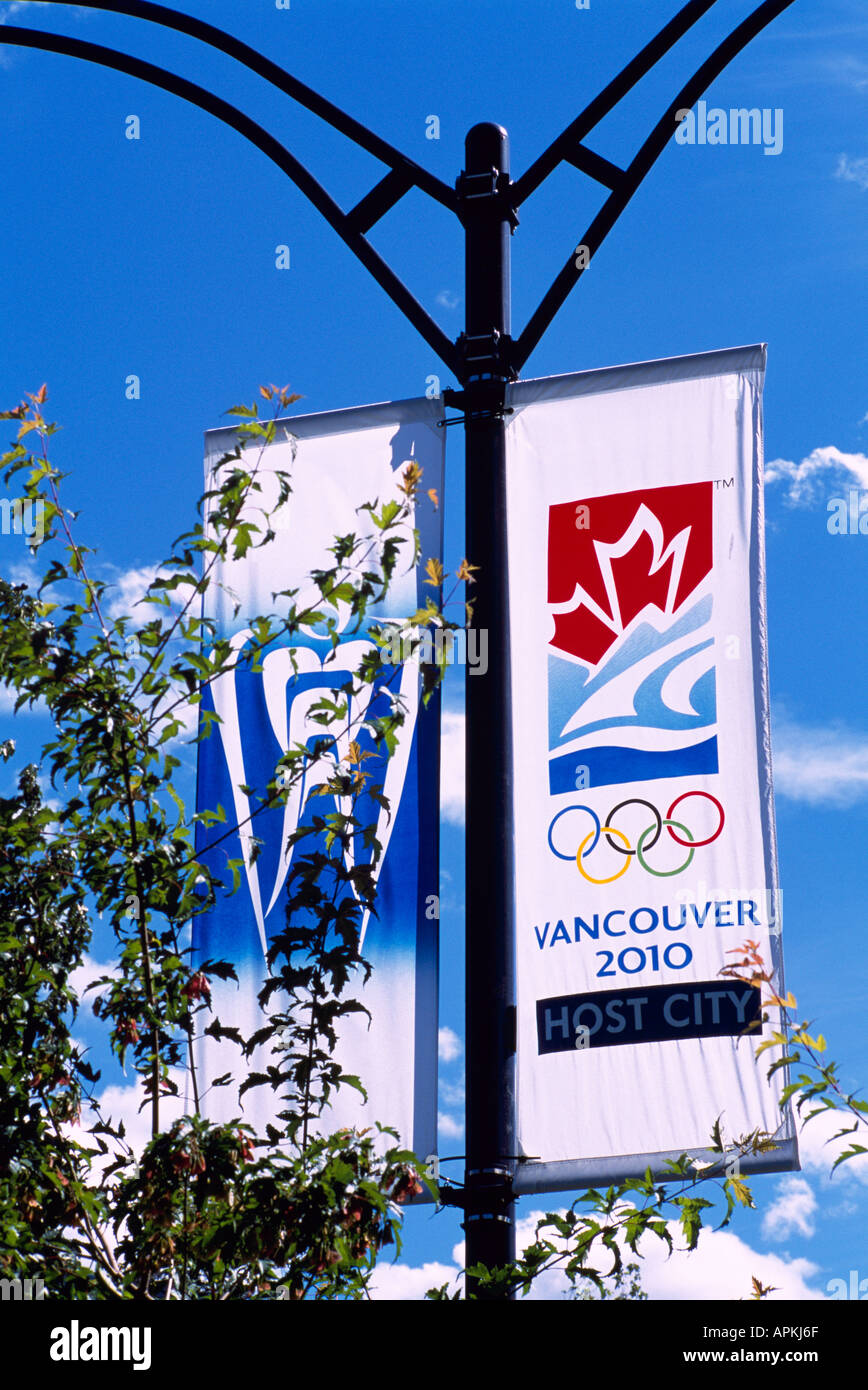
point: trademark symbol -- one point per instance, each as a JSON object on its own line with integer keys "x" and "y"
{"x": 724, "y": 482}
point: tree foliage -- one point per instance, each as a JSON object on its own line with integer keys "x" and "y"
{"x": 207, "y": 1210}
{"x": 212, "y": 1210}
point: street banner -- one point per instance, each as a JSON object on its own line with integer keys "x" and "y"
{"x": 643, "y": 813}
{"x": 337, "y": 462}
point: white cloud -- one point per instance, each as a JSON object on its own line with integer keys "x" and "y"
{"x": 809, "y": 479}
{"x": 449, "y": 299}
{"x": 125, "y": 591}
{"x": 407, "y": 1282}
{"x": 8, "y": 696}
{"x": 818, "y": 1147}
{"x": 23, "y": 572}
{"x": 448, "y": 1127}
{"x": 89, "y": 971}
{"x": 124, "y": 1103}
{"x": 20, "y": 572}
{"x": 399, "y": 1282}
{"x": 187, "y": 715}
{"x": 119, "y": 1103}
{"x": 449, "y": 1045}
{"x": 721, "y": 1267}
{"x": 452, "y": 1092}
{"x": 853, "y": 170}
{"x": 128, "y": 588}
{"x": 824, "y": 766}
{"x": 848, "y": 67}
{"x": 48, "y": 799}
{"x": 452, "y": 727}
{"x": 792, "y": 1211}
{"x": 15, "y": 7}
{"x": 450, "y": 1049}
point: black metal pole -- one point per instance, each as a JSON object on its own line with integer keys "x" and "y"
{"x": 490, "y": 992}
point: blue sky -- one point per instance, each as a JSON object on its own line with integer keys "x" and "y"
{"x": 156, "y": 258}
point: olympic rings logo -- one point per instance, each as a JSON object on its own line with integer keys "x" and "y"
{"x": 643, "y": 844}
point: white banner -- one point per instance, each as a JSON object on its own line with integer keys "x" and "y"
{"x": 643, "y": 808}
{"x": 338, "y": 462}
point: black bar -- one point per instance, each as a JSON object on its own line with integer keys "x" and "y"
{"x": 279, "y": 78}
{"x": 490, "y": 1028}
{"x": 595, "y": 166}
{"x": 650, "y": 1014}
{"x": 377, "y": 203}
{"x": 231, "y": 116}
{"x": 228, "y": 1336}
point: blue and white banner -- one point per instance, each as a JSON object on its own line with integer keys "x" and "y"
{"x": 644, "y": 825}
{"x": 337, "y": 462}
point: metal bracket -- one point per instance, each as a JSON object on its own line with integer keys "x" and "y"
{"x": 491, "y": 1189}
{"x": 451, "y": 1195}
{"x": 488, "y": 184}
{"x": 486, "y": 356}
{"x": 498, "y": 1186}
{"x": 491, "y": 410}
{"x": 486, "y": 367}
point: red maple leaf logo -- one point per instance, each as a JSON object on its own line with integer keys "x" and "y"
{"x": 610, "y": 557}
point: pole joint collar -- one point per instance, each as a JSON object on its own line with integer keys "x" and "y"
{"x": 486, "y": 366}
{"x": 484, "y": 189}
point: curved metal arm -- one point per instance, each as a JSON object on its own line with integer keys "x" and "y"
{"x": 404, "y": 173}
{"x": 412, "y": 174}
{"x": 343, "y": 223}
{"x": 628, "y": 182}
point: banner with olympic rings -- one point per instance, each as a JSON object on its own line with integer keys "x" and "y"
{"x": 643, "y": 811}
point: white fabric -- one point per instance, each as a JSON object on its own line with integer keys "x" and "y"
{"x": 631, "y": 648}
